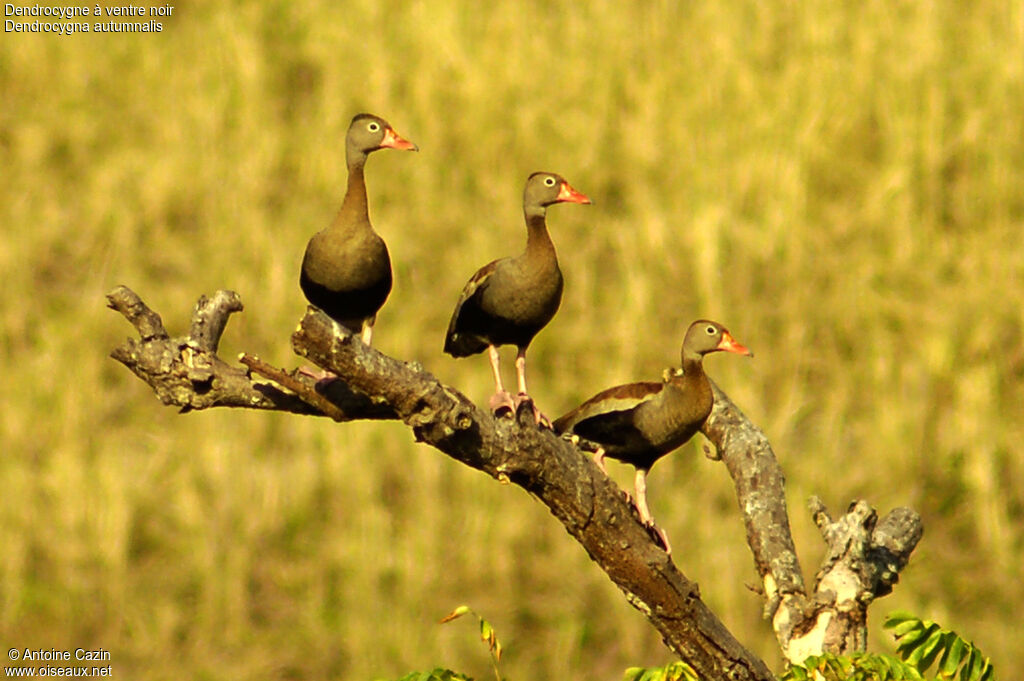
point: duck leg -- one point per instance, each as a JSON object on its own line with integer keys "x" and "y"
{"x": 500, "y": 400}
{"x": 645, "y": 513}
{"x": 523, "y": 396}
{"x": 323, "y": 376}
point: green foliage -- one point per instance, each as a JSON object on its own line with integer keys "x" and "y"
{"x": 923, "y": 643}
{"x": 858, "y": 667}
{"x": 487, "y": 635}
{"x": 920, "y": 643}
{"x": 438, "y": 674}
{"x": 674, "y": 671}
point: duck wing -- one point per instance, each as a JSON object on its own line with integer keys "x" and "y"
{"x": 461, "y": 340}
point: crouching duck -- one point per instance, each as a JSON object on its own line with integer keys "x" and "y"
{"x": 639, "y": 423}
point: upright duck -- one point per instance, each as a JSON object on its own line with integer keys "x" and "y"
{"x": 639, "y": 423}
{"x": 346, "y": 271}
{"x": 509, "y": 300}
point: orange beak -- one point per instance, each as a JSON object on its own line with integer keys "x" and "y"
{"x": 392, "y": 140}
{"x": 567, "y": 193}
{"x": 729, "y": 344}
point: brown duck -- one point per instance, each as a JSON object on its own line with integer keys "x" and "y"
{"x": 346, "y": 271}
{"x": 509, "y": 300}
{"x": 639, "y": 423}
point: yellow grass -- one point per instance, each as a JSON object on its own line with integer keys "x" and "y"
{"x": 842, "y": 184}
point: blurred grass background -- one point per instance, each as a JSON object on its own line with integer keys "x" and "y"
{"x": 839, "y": 183}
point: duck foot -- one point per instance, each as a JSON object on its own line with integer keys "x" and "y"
{"x": 321, "y": 376}
{"x": 502, "y": 404}
{"x": 659, "y": 535}
{"x": 655, "y": 532}
{"x": 541, "y": 420}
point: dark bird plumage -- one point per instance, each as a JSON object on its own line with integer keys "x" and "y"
{"x": 346, "y": 270}
{"x": 639, "y": 423}
{"x": 509, "y": 300}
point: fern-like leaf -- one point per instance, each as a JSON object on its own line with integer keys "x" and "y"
{"x": 922, "y": 643}
{"x": 674, "y": 671}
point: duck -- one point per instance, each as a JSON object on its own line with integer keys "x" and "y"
{"x": 638, "y": 423}
{"x": 346, "y": 269}
{"x": 508, "y": 301}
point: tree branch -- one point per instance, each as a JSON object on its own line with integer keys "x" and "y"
{"x": 187, "y": 372}
{"x": 862, "y": 562}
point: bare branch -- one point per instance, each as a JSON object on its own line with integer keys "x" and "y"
{"x": 187, "y": 373}
{"x": 146, "y": 322}
{"x": 589, "y": 504}
{"x": 760, "y": 491}
{"x": 862, "y": 561}
{"x": 210, "y": 316}
{"x": 864, "y": 557}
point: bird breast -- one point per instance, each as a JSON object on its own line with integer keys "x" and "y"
{"x": 347, "y": 262}
{"x": 675, "y": 415}
{"x": 519, "y": 291}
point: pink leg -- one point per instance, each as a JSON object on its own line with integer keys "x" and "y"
{"x": 599, "y": 460}
{"x": 645, "y": 513}
{"x": 523, "y": 396}
{"x": 318, "y": 375}
{"x": 500, "y": 400}
{"x": 521, "y": 370}
{"x": 367, "y": 335}
{"x": 322, "y": 375}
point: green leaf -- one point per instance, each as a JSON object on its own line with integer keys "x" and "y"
{"x": 972, "y": 670}
{"x": 903, "y": 628}
{"x": 795, "y": 673}
{"x": 931, "y": 648}
{"x": 438, "y": 674}
{"x": 673, "y": 671}
{"x": 952, "y": 657}
{"x": 893, "y": 667}
{"x": 838, "y": 665}
{"x": 898, "y": 617}
{"x": 910, "y": 646}
{"x": 868, "y": 666}
{"x": 456, "y": 613}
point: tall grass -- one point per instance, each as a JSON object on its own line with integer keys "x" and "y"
{"x": 839, "y": 183}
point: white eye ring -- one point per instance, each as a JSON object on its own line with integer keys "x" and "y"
{"x": 549, "y": 181}
{"x": 711, "y": 330}
{"x": 373, "y": 126}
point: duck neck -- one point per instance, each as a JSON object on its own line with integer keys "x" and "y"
{"x": 354, "y": 208}
{"x": 693, "y": 367}
{"x": 538, "y": 241}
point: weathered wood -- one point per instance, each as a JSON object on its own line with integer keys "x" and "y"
{"x": 589, "y": 504}
{"x": 187, "y": 372}
{"x": 760, "y": 492}
{"x": 860, "y": 564}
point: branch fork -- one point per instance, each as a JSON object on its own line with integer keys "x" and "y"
{"x": 864, "y": 554}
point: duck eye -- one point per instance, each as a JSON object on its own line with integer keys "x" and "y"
{"x": 711, "y": 330}
{"x": 373, "y": 126}
{"x": 549, "y": 181}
